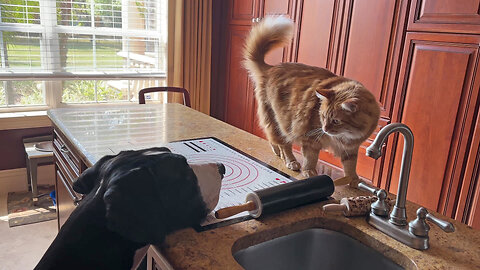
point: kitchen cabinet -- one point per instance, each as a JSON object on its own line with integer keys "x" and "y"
{"x": 239, "y": 97}
{"x": 240, "y": 107}
{"x": 437, "y": 96}
{"x": 327, "y": 35}
{"x": 437, "y": 104}
{"x": 316, "y": 26}
{"x": 420, "y": 59}
{"x": 362, "y": 49}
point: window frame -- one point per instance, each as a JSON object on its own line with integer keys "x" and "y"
{"x": 50, "y": 30}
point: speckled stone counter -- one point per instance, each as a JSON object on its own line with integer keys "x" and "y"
{"x": 100, "y": 131}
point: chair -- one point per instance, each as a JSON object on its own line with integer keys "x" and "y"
{"x": 186, "y": 94}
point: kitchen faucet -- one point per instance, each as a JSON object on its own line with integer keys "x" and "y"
{"x": 415, "y": 233}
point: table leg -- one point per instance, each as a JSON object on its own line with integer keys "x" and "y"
{"x": 33, "y": 180}
{"x": 29, "y": 179}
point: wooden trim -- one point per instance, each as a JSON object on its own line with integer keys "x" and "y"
{"x": 468, "y": 191}
{"x": 24, "y": 120}
{"x": 335, "y": 32}
{"x": 442, "y": 22}
{"x": 346, "y": 20}
{"x": 474, "y": 213}
{"x": 296, "y": 39}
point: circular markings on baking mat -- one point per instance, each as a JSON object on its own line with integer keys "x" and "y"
{"x": 238, "y": 172}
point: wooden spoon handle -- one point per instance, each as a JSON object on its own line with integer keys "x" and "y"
{"x": 233, "y": 210}
{"x": 334, "y": 208}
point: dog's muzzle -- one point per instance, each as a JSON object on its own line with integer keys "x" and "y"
{"x": 209, "y": 176}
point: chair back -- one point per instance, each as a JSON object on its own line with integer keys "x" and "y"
{"x": 186, "y": 94}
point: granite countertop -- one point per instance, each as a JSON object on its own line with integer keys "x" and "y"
{"x": 100, "y": 131}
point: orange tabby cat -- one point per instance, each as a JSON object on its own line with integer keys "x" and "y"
{"x": 308, "y": 105}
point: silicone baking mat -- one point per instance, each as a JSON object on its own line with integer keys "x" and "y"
{"x": 243, "y": 173}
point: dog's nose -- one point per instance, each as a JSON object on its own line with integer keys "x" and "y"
{"x": 221, "y": 169}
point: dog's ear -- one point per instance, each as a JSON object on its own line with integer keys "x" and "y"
{"x": 90, "y": 177}
{"x": 133, "y": 208}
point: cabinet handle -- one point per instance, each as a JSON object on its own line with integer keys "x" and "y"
{"x": 64, "y": 149}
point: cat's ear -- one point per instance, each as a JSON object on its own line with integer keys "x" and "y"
{"x": 324, "y": 93}
{"x": 350, "y": 105}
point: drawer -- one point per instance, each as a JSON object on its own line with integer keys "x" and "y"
{"x": 64, "y": 151}
{"x": 66, "y": 198}
{"x": 68, "y": 174}
{"x": 74, "y": 196}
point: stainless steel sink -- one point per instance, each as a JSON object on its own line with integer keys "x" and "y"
{"x": 312, "y": 249}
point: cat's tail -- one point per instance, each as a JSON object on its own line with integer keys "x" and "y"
{"x": 270, "y": 33}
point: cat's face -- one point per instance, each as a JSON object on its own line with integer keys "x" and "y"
{"x": 334, "y": 122}
{"x": 340, "y": 116}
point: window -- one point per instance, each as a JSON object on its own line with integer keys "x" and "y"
{"x": 80, "y": 51}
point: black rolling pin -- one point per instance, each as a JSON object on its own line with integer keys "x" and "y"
{"x": 282, "y": 197}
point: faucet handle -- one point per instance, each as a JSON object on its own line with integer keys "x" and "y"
{"x": 364, "y": 186}
{"x": 444, "y": 225}
{"x": 380, "y": 207}
{"x": 419, "y": 226}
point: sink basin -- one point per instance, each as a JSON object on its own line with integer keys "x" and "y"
{"x": 312, "y": 249}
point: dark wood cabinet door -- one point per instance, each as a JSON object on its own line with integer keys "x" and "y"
{"x": 240, "y": 108}
{"x": 243, "y": 11}
{"x": 279, "y": 8}
{"x": 445, "y": 16}
{"x": 239, "y": 87}
{"x": 436, "y": 96}
{"x": 285, "y": 8}
{"x": 316, "y": 28}
{"x": 367, "y": 55}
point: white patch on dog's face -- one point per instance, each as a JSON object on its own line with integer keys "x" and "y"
{"x": 210, "y": 182}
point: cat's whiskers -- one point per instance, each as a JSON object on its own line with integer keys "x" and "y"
{"x": 319, "y": 136}
{"x": 316, "y": 133}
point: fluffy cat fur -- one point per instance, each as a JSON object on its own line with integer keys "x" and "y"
{"x": 306, "y": 104}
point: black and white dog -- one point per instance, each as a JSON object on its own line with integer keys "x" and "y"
{"x": 132, "y": 199}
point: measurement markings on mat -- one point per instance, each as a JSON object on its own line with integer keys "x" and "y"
{"x": 191, "y": 147}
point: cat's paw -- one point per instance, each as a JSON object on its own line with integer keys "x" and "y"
{"x": 309, "y": 173}
{"x": 293, "y": 165}
{"x": 354, "y": 182}
{"x": 275, "y": 149}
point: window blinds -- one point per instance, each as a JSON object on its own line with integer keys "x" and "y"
{"x": 87, "y": 39}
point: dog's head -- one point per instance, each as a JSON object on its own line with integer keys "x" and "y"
{"x": 152, "y": 192}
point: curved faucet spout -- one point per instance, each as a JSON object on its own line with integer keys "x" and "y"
{"x": 398, "y": 215}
